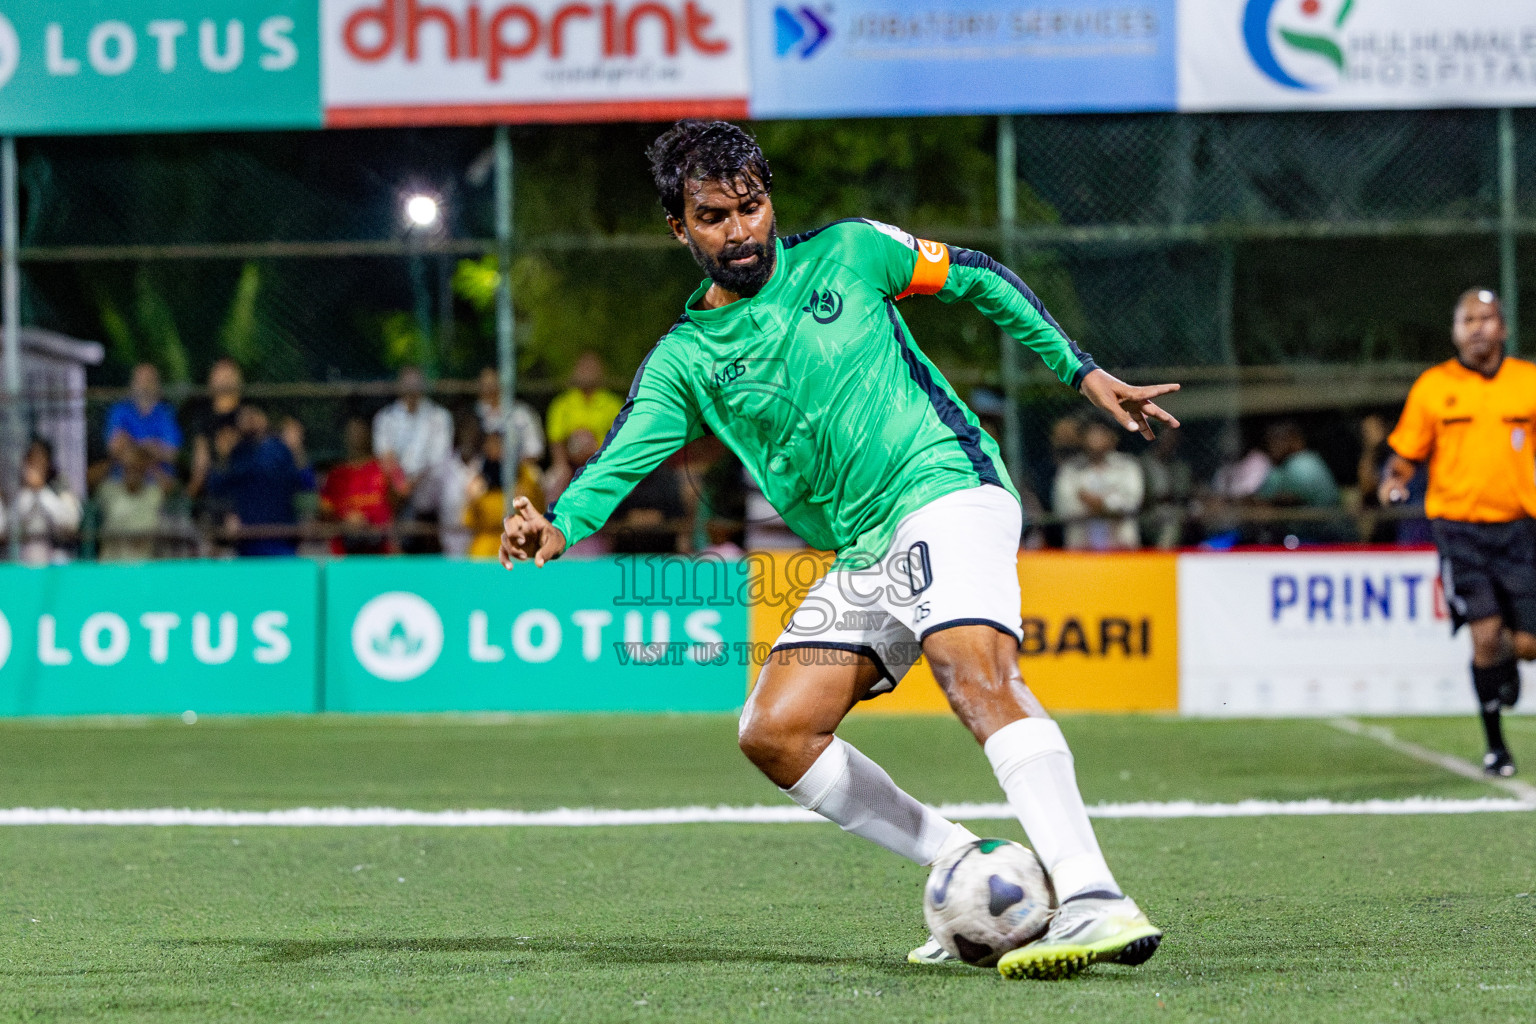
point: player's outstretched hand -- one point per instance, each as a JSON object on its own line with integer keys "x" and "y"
{"x": 1132, "y": 407}
{"x": 527, "y": 534}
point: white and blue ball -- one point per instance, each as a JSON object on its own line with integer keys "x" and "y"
{"x": 987, "y": 898}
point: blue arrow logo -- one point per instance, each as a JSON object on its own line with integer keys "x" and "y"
{"x": 799, "y": 31}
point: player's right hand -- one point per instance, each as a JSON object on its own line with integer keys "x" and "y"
{"x": 527, "y": 534}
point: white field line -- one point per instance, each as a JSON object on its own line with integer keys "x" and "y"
{"x": 1381, "y": 734}
{"x": 565, "y": 817}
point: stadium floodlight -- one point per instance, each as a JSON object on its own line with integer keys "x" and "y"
{"x": 422, "y": 211}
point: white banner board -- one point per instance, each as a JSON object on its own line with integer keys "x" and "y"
{"x": 1355, "y": 54}
{"x": 477, "y": 61}
{"x": 1328, "y": 633}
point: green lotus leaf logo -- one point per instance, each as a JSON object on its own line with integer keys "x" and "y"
{"x": 398, "y": 642}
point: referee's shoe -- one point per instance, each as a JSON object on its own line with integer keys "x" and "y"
{"x": 1498, "y": 764}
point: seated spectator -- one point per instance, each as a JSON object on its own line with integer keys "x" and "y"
{"x": 412, "y": 437}
{"x": 648, "y": 520}
{"x": 144, "y": 420}
{"x": 356, "y": 495}
{"x": 571, "y": 455}
{"x": 1101, "y": 491}
{"x": 1299, "y": 479}
{"x": 130, "y": 501}
{"x": 494, "y": 419}
{"x": 46, "y": 512}
{"x": 486, "y": 504}
{"x": 454, "y": 477}
{"x": 1170, "y": 486}
{"x": 261, "y": 479}
{"x": 585, "y": 405}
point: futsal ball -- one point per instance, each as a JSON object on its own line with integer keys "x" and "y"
{"x": 986, "y": 898}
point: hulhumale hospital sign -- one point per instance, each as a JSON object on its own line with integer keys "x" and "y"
{"x": 104, "y": 66}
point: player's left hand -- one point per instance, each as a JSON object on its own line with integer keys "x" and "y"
{"x": 1132, "y": 407}
{"x": 527, "y": 534}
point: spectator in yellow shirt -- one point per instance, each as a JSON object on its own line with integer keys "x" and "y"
{"x": 585, "y": 405}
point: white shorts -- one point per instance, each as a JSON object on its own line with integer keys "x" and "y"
{"x": 953, "y": 562}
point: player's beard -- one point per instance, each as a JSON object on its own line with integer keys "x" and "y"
{"x": 743, "y": 281}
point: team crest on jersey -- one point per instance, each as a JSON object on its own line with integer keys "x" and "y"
{"x": 825, "y": 306}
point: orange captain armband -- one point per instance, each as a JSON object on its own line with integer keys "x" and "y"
{"x": 932, "y": 269}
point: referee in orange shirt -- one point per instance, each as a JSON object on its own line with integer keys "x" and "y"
{"x": 1471, "y": 418}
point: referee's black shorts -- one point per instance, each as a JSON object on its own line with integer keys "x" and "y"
{"x": 1488, "y": 569}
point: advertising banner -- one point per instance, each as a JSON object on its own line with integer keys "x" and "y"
{"x": 167, "y": 65}
{"x": 870, "y": 58}
{"x": 1355, "y": 54}
{"x": 1318, "y": 634}
{"x": 649, "y": 633}
{"x": 1100, "y": 631}
{"x": 481, "y": 61}
{"x": 159, "y": 638}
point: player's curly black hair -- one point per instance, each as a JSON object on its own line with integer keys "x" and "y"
{"x": 695, "y": 150}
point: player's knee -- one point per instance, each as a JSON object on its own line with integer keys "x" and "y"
{"x": 766, "y": 738}
{"x": 1525, "y": 646}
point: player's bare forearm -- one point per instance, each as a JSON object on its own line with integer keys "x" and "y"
{"x": 1132, "y": 407}
{"x": 527, "y": 534}
{"x": 1394, "y": 480}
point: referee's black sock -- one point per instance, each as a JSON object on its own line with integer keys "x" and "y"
{"x": 1491, "y": 684}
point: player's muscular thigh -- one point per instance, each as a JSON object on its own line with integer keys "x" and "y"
{"x": 800, "y": 698}
{"x": 978, "y": 669}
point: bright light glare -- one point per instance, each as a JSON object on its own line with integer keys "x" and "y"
{"x": 421, "y": 211}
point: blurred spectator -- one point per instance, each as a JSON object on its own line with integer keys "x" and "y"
{"x": 46, "y": 513}
{"x": 1170, "y": 486}
{"x": 487, "y": 504}
{"x": 650, "y": 517}
{"x": 144, "y": 420}
{"x": 570, "y": 456}
{"x": 202, "y": 418}
{"x": 585, "y": 405}
{"x": 494, "y": 420}
{"x": 1299, "y": 479}
{"x": 1414, "y": 529}
{"x": 1101, "y": 490}
{"x": 1066, "y": 444}
{"x": 130, "y": 504}
{"x": 356, "y": 495}
{"x": 454, "y": 477}
{"x": 412, "y": 437}
{"x": 261, "y": 478}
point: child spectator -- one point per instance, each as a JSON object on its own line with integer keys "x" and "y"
{"x": 130, "y": 503}
{"x": 487, "y": 503}
{"x": 47, "y": 513}
{"x": 356, "y": 495}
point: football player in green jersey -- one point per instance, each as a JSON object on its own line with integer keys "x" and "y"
{"x": 793, "y": 353}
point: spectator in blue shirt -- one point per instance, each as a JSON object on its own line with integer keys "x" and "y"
{"x": 143, "y": 419}
{"x": 259, "y": 478}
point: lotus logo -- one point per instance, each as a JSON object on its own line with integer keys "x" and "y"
{"x": 10, "y": 56}
{"x": 397, "y": 636}
{"x": 1305, "y": 27}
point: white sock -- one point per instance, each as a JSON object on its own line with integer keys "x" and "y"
{"x": 846, "y": 787}
{"x": 1034, "y": 766}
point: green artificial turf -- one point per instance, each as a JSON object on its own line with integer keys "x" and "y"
{"x": 1357, "y": 919}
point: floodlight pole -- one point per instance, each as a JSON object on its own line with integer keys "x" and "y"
{"x": 1007, "y": 216}
{"x": 1509, "y": 274}
{"x": 506, "y": 349}
{"x": 10, "y": 458}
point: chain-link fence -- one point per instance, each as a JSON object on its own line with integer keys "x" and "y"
{"x": 1279, "y": 265}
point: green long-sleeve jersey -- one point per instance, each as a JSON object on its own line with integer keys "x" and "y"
{"x": 816, "y": 385}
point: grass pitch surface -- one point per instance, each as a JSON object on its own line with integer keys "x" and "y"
{"x": 1286, "y": 919}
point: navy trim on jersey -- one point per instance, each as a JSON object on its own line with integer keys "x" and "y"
{"x": 806, "y": 236}
{"x": 948, "y": 411}
{"x": 618, "y": 421}
{"x": 981, "y": 261}
{"x": 832, "y": 645}
{"x": 939, "y": 627}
